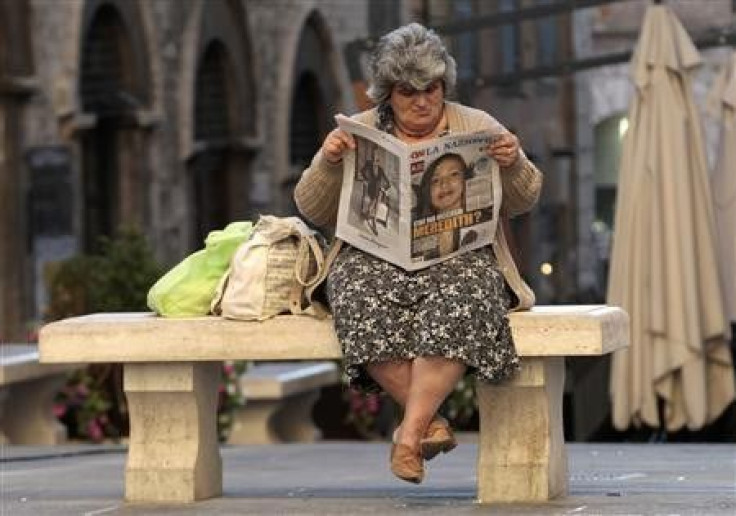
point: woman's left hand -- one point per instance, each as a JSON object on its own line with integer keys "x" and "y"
{"x": 504, "y": 149}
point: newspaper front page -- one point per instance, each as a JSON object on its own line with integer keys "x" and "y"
{"x": 419, "y": 204}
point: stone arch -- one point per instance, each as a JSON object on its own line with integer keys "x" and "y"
{"x": 114, "y": 95}
{"x": 610, "y": 90}
{"x": 219, "y": 118}
{"x": 309, "y": 73}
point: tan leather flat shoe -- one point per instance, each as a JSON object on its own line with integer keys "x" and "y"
{"x": 407, "y": 463}
{"x": 438, "y": 438}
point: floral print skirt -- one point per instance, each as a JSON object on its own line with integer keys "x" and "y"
{"x": 455, "y": 309}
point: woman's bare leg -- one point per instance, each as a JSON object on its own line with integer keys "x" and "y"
{"x": 393, "y": 377}
{"x": 431, "y": 381}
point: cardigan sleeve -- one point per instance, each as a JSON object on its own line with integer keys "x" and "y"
{"x": 521, "y": 182}
{"x": 317, "y": 194}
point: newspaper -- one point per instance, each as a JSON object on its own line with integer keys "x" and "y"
{"x": 417, "y": 205}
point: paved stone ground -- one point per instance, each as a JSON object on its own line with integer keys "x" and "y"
{"x": 352, "y": 478}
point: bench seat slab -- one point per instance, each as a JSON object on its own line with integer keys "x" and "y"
{"x": 173, "y": 454}
{"x": 521, "y": 451}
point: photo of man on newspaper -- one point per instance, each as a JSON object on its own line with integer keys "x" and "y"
{"x": 373, "y": 203}
{"x": 452, "y": 198}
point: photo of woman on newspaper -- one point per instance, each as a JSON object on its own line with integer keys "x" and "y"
{"x": 442, "y": 192}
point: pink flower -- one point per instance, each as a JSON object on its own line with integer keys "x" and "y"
{"x": 94, "y": 431}
{"x": 372, "y": 403}
{"x": 59, "y": 409}
{"x": 356, "y": 401}
{"x": 82, "y": 390}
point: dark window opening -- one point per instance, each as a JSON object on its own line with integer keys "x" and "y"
{"x": 212, "y": 119}
{"x": 100, "y": 165}
{"x": 306, "y": 131}
{"x": 106, "y": 88}
{"x": 210, "y": 168}
{"x": 105, "y": 92}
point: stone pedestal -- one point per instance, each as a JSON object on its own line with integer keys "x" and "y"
{"x": 174, "y": 454}
{"x": 521, "y": 451}
{"x": 27, "y": 415}
{"x": 275, "y": 421}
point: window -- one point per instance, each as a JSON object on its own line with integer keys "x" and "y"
{"x": 608, "y": 142}
{"x": 509, "y": 39}
{"x": 546, "y": 39}
{"x": 466, "y": 48}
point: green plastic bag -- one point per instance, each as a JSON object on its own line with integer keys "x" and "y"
{"x": 188, "y": 288}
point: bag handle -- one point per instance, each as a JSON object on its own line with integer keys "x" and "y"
{"x": 303, "y": 260}
{"x": 308, "y": 242}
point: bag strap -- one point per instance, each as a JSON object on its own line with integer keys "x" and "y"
{"x": 303, "y": 260}
{"x": 308, "y": 247}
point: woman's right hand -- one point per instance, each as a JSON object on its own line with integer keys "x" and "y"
{"x": 335, "y": 145}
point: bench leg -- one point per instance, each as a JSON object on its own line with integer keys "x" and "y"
{"x": 521, "y": 449}
{"x": 294, "y": 421}
{"x": 253, "y": 423}
{"x": 275, "y": 421}
{"x": 28, "y": 412}
{"x": 173, "y": 454}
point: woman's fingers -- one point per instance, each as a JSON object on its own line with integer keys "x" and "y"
{"x": 335, "y": 145}
{"x": 504, "y": 149}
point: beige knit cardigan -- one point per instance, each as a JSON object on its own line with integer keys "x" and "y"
{"x": 318, "y": 192}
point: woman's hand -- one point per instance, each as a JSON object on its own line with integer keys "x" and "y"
{"x": 335, "y": 145}
{"x": 504, "y": 149}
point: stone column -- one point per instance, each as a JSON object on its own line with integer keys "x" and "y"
{"x": 271, "y": 421}
{"x": 174, "y": 454}
{"x": 521, "y": 452}
{"x": 27, "y": 415}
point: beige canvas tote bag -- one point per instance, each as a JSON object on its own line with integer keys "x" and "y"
{"x": 270, "y": 273}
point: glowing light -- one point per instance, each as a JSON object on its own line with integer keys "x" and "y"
{"x": 623, "y": 126}
{"x": 546, "y": 268}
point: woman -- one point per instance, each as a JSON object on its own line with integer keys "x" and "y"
{"x": 415, "y": 334}
{"x": 441, "y": 190}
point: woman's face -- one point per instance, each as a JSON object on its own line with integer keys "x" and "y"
{"x": 417, "y": 112}
{"x": 447, "y": 185}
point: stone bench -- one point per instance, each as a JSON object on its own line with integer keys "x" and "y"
{"x": 279, "y": 398}
{"x": 172, "y": 368}
{"x": 27, "y": 390}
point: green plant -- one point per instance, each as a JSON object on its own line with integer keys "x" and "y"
{"x": 461, "y": 405}
{"x": 116, "y": 278}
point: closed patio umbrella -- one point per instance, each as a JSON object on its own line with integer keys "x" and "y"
{"x": 723, "y": 181}
{"x": 663, "y": 264}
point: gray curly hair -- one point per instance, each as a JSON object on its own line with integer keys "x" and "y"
{"x": 411, "y": 54}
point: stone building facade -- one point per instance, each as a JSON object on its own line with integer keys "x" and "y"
{"x": 174, "y": 117}
{"x": 17, "y": 85}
